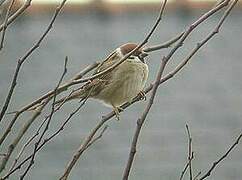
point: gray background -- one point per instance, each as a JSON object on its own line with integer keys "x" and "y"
{"x": 206, "y": 95}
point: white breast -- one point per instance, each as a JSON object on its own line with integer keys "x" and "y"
{"x": 128, "y": 80}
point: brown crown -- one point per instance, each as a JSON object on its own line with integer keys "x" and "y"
{"x": 126, "y": 48}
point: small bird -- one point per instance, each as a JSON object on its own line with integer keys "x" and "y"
{"x": 121, "y": 84}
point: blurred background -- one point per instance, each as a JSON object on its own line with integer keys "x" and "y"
{"x": 206, "y": 94}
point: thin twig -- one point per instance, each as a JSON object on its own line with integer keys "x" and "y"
{"x": 48, "y": 121}
{"x": 20, "y": 63}
{"x": 86, "y": 142}
{"x": 141, "y": 120}
{"x": 163, "y": 45}
{"x": 46, "y": 140}
{"x": 23, "y": 130}
{"x": 208, "y": 173}
{"x": 47, "y": 95}
{"x": 98, "y": 137}
{"x": 190, "y": 152}
{"x": 65, "y": 86}
{"x": 5, "y": 23}
{"x": 186, "y": 167}
{"x": 17, "y": 13}
{"x": 165, "y": 59}
{"x": 198, "y": 174}
{"x": 26, "y": 144}
{"x": 125, "y": 57}
{"x": 190, "y": 155}
{"x": 108, "y": 116}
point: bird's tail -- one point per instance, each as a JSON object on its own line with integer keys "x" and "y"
{"x": 81, "y": 93}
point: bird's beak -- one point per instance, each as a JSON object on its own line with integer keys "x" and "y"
{"x": 143, "y": 54}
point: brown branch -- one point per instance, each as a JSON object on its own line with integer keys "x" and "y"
{"x": 108, "y": 116}
{"x": 141, "y": 120}
{"x": 17, "y": 13}
{"x": 89, "y": 138}
{"x": 221, "y": 158}
{"x": 98, "y": 137}
{"x": 168, "y": 76}
{"x": 26, "y": 144}
{"x": 48, "y": 121}
{"x": 19, "y": 64}
{"x": 198, "y": 174}
{"x": 186, "y": 167}
{"x": 125, "y": 57}
{"x": 47, "y": 95}
{"x": 190, "y": 152}
{"x": 37, "y": 111}
{"x": 163, "y": 45}
{"x": 70, "y": 83}
{"x": 111, "y": 114}
{"x": 23, "y": 130}
{"x": 5, "y": 23}
{"x": 61, "y": 128}
{"x": 190, "y": 156}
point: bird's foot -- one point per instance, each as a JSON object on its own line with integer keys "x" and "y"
{"x": 117, "y": 111}
{"x": 143, "y": 95}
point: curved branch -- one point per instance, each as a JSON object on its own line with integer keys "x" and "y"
{"x": 89, "y": 138}
{"x": 221, "y": 158}
{"x": 5, "y": 23}
{"x": 164, "y": 61}
{"x": 17, "y": 13}
{"x": 20, "y": 63}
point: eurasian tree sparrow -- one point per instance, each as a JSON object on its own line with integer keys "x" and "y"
{"x": 121, "y": 84}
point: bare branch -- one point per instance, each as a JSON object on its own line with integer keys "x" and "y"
{"x": 98, "y": 137}
{"x": 165, "y": 59}
{"x": 61, "y": 128}
{"x": 164, "y": 45}
{"x": 208, "y": 173}
{"x": 26, "y": 144}
{"x": 23, "y": 130}
{"x": 89, "y": 138}
{"x": 190, "y": 152}
{"x": 198, "y": 174}
{"x": 17, "y": 13}
{"x": 48, "y": 121}
{"x": 126, "y": 56}
{"x": 20, "y": 62}
{"x": 5, "y": 23}
{"x": 168, "y": 76}
{"x": 185, "y": 167}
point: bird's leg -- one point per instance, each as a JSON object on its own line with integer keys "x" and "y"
{"x": 117, "y": 110}
{"x": 120, "y": 109}
{"x": 143, "y": 95}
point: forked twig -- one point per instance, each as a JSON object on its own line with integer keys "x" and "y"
{"x": 18, "y": 67}
{"x": 208, "y": 173}
{"x": 89, "y": 138}
{"x": 190, "y": 152}
{"x": 46, "y": 140}
{"x": 164, "y": 61}
{"x": 5, "y": 23}
{"x": 49, "y": 118}
{"x": 164, "y": 45}
{"x": 17, "y": 13}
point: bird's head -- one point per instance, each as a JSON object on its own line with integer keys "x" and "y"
{"x": 126, "y": 48}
